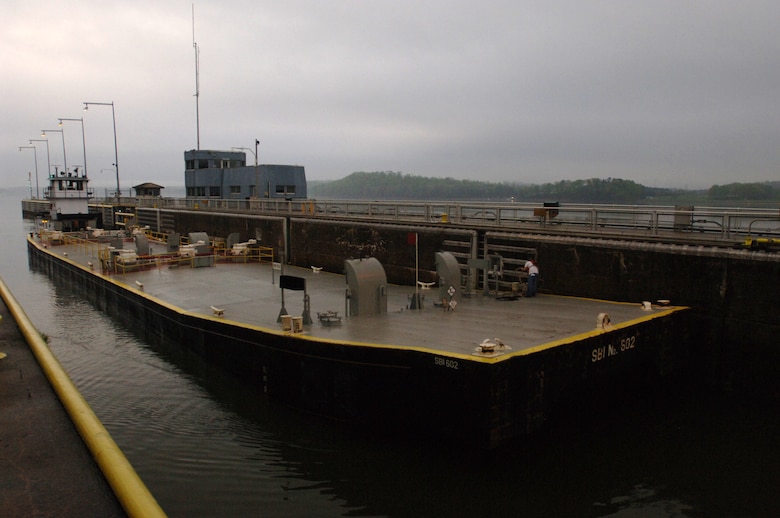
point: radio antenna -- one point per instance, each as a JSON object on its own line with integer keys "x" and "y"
{"x": 197, "y": 78}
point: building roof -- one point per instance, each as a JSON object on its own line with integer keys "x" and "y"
{"x": 148, "y": 185}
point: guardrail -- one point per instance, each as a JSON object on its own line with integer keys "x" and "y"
{"x": 715, "y": 223}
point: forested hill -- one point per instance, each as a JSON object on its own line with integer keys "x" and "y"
{"x": 388, "y": 185}
{"x": 399, "y": 186}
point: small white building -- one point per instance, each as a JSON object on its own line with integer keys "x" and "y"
{"x": 148, "y": 189}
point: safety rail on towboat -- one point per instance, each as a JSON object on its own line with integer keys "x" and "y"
{"x": 124, "y": 260}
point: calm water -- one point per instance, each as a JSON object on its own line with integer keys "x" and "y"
{"x": 207, "y": 446}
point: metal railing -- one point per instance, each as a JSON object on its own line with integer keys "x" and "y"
{"x": 711, "y": 223}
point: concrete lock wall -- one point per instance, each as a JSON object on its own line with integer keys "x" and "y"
{"x": 733, "y": 293}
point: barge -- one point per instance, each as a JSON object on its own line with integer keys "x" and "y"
{"x": 482, "y": 369}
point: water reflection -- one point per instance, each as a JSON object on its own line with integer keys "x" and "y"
{"x": 207, "y": 444}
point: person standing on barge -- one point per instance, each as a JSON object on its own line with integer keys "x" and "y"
{"x": 532, "y": 269}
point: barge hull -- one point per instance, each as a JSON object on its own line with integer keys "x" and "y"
{"x": 482, "y": 402}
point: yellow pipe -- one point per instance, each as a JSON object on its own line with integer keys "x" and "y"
{"x": 128, "y": 487}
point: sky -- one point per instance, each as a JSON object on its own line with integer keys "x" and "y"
{"x": 667, "y": 93}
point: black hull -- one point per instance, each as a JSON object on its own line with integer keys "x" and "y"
{"x": 420, "y": 393}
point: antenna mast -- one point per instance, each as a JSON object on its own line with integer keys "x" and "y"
{"x": 197, "y": 77}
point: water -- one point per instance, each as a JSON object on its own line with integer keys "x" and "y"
{"x": 207, "y": 446}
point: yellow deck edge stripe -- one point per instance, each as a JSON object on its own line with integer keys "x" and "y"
{"x": 427, "y": 350}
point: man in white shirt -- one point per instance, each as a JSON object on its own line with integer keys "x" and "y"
{"x": 533, "y": 277}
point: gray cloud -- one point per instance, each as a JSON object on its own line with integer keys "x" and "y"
{"x": 662, "y": 92}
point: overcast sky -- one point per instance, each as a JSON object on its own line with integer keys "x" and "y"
{"x": 668, "y": 93}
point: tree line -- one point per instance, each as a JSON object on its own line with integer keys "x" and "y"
{"x": 389, "y": 185}
{"x": 746, "y": 191}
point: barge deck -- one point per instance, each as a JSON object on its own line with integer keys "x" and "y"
{"x": 402, "y": 361}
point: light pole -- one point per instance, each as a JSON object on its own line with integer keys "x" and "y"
{"x": 116, "y": 149}
{"x": 35, "y": 151}
{"x": 48, "y": 161}
{"x": 257, "y": 171}
{"x": 61, "y": 132}
{"x": 83, "y": 141}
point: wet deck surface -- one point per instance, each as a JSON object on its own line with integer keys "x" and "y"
{"x": 250, "y": 294}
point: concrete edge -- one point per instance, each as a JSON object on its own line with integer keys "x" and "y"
{"x": 132, "y": 493}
